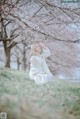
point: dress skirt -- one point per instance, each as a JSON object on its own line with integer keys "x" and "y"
{"x": 41, "y": 78}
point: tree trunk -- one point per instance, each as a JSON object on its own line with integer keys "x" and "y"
{"x": 7, "y": 59}
{"x": 24, "y": 63}
{"x": 24, "y": 58}
{"x": 18, "y": 64}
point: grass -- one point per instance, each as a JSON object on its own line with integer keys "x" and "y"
{"x": 21, "y": 98}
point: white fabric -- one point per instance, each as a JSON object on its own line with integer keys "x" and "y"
{"x": 39, "y": 70}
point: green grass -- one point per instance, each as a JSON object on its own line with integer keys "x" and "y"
{"x": 21, "y": 98}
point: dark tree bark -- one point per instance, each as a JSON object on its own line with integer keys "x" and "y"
{"x": 7, "y": 51}
{"x": 8, "y": 43}
{"x": 7, "y": 59}
{"x": 18, "y": 63}
{"x": 24, "y": 58}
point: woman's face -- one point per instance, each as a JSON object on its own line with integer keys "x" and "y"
{"x": 38, "y": 49}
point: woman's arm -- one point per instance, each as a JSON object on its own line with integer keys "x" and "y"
{"x": 46, "y": 51}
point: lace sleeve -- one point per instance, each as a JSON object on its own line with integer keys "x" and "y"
{"x": 46, "y": 52}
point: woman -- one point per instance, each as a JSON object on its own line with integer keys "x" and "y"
{"x": 39, "y": 71}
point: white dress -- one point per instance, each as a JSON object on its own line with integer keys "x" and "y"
{"x": 39, "y": 71}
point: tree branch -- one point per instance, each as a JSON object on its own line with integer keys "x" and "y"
{"x": 41, "y": 32}
{"x": 37, "y": 11}
{"x": 12, "y": 44}
{"x": 8, "y": 23}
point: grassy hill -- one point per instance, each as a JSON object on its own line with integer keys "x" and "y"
{"x": 21, "y": 98}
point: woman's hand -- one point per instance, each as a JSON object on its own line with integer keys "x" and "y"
{"x": 42, "y": 45}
